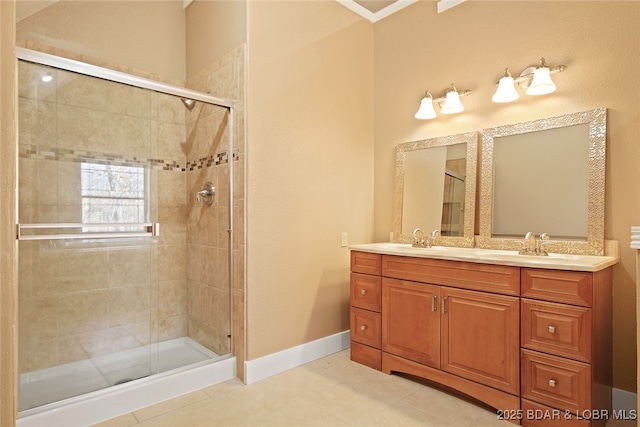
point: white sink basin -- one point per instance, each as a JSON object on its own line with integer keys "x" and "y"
{"x": 406, "y": 246}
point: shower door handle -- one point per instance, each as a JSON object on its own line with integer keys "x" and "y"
{"x": 152, "y": 229}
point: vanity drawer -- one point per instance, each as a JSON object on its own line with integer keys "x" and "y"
{"x": 570, "y": 287}
{"x": 365, "y": 291}
{"x": 500, "y": 279}
{"x": 365, "y": 327}
{"x": 367, "y": 263}
{"x": 557, "y": 382}
{"x": 366, "y": 355}
{"x": 537, "y": 415}
{"x": 559, "y": 329}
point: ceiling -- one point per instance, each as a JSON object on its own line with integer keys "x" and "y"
{"x": 374, "y": 5}
{"x": 373, "y": 10}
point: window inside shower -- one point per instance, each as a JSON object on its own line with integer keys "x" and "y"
{"x": 104, "y": 299}
{"x": 113, "y": 194}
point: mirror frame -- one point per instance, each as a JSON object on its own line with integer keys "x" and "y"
{"x": 594, "y": 244}
{"x": 471, "y": 139}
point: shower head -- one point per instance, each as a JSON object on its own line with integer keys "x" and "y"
{"x": 189, "y": 103}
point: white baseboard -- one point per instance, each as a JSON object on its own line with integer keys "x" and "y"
{"x": 624, "y": 401}
{"x": 264, "y": 367}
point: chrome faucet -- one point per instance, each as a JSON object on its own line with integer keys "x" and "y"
{"x": 431, "y": 240}
{"x": 532, "y": 246}
{"x": 544, "y": 239}
{"x": 418, "y": 239}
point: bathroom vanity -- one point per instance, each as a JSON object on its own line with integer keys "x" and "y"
{"x": 527, "y": 335}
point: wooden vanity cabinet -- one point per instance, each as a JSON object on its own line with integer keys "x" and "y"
{"x": 566, "y": 343}
{"x": 365, "y": 300}
{"x": 536, "y": 341}
{"x": 456, "y": 323}
{"x": 467, "y": 333}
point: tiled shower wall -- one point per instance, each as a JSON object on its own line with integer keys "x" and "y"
{"x": 80, "y": 303}
{"x": 207, "y": 226}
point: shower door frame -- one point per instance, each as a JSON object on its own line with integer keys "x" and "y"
{"x": 143, "y": 83}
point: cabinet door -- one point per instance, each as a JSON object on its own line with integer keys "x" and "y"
{"x": 411, "y": 321}
{"x": 480, "y": 337}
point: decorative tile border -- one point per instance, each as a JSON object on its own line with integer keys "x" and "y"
{"x": 82, "y": 156}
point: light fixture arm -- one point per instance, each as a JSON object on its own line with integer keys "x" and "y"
{"x": 527, "y": 73}
{"x": 443, "y": 96}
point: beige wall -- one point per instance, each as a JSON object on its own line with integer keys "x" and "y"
{"x": 470, "y": 45}
{"x": 213, "y": 28}
{"x": 8, "y": 291}
{"x": 310, "y": 160}
{"x": 118, "y": 31}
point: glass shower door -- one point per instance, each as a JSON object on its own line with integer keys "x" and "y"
{"x": 87, "y": 243}
{"x": 123, "y": 271}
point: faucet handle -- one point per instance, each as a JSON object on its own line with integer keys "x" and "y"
{"x": 544, "y": 240}
{"x": 528, "y": 244}
{"x": 431, "y": 240}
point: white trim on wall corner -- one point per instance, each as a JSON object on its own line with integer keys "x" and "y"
{"x": 186, "y": 3}
{"x": 447, "y": 4}
{"x": 272, "y": 364}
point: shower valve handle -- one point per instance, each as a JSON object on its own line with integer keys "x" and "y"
{"x": 206, "y": 194}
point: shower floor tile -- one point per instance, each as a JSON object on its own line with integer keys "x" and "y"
{"x": 62, "y": 382}
{"x": 51, "y": 385}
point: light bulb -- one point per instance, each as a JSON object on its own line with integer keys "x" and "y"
{"x": 452, "y": 102}
{"x": 426, "y": 110}
{"x": 541, "y": 83}
{"x": 506, "y": 91}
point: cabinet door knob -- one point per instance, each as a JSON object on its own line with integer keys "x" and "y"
{"x": 552, "y": 383}
{"x": 363, "y": 327}
{"x": 552, "y": 329}
{"x": 434, "y": 307}
{"x": 444, "y": 305}
{"x": 363, "y": 292}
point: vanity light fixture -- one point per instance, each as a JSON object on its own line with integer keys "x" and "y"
{"x": 535, "y": 81}
{"x": 452, "y": 102}
{"x": 449, "y": 103}
{"x": 426, "y": 110}
{"x": 542, "y": 83}
{"x": 506, "y": 89}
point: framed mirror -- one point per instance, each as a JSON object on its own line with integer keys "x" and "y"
{"x": 545, "y": 176}
{"x": 435, "y": 189}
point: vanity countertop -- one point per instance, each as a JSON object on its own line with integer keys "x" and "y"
{"x": 494, "y": 256}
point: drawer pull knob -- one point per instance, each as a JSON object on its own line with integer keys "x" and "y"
{"x": 552, "y": 383}
{"x": 552, "y": 329}
{"x": 363, "y": 292}
{"x": 363, "y": 327}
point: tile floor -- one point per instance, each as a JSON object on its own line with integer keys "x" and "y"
{"x": 332, "y": 392}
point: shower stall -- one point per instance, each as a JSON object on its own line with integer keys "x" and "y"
{"x": 125, "y": 229}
